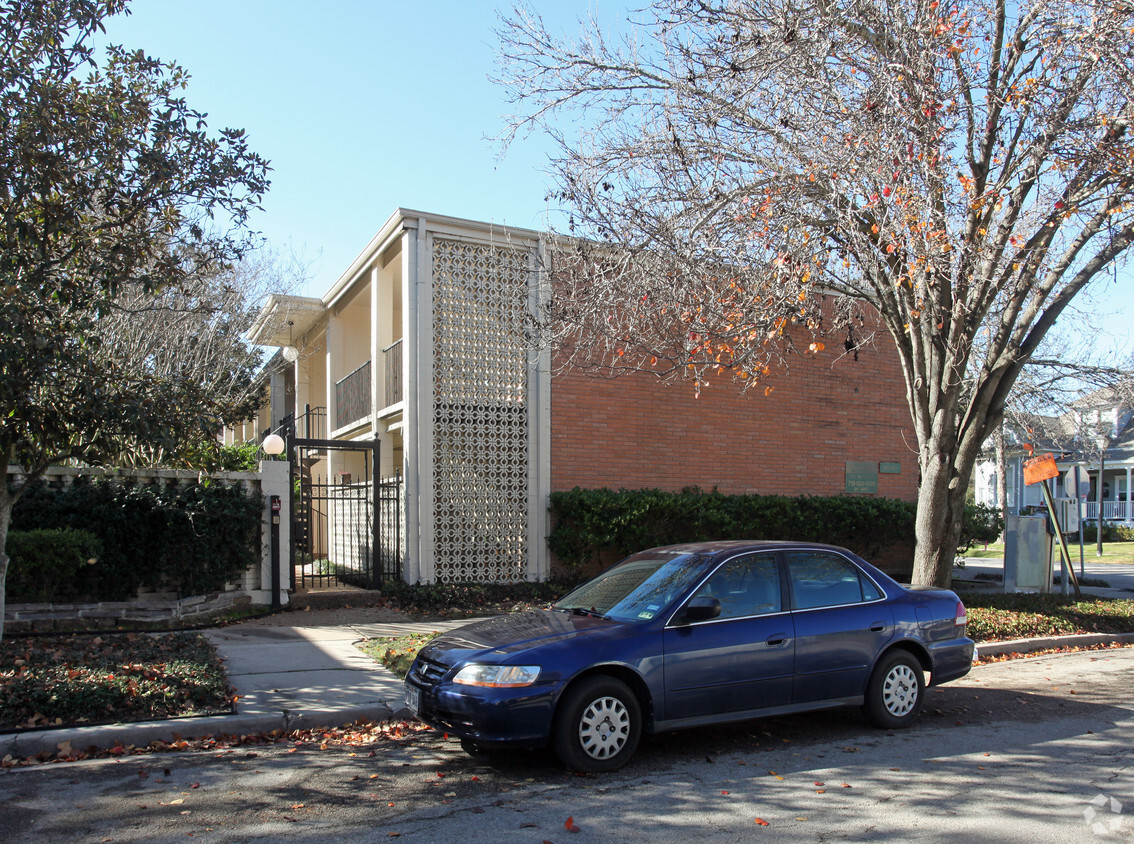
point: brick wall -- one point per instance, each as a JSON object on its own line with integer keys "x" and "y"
{"x": 826, "y": 409}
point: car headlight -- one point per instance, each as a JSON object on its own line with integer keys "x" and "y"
{"x": 497, "y": 676}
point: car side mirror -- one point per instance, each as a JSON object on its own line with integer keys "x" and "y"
{"x": 702, "y": 609}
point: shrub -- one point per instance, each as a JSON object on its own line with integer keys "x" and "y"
{"x": 600, "y": 524}
{"x": 45, "y": 562}
{"x": 190, "y": 539}
{"x": 981, "y": 524}
{"x": 590, "y": 524}
{"x": 1110, "y": 533}
{"x": 210, "y": 456}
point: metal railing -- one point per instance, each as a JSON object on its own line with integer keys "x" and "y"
{"x": 352, "y": 397}
{"x": 392, "y": 356}
{"x": 311, "y": 424}
{"x": 1113, "y": 511}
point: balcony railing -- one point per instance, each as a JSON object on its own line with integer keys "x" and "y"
{"x": 393, "y": 365}
{"x": 1113, "y": 511}
{"x": 352, "y": 397}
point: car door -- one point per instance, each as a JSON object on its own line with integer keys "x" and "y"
{"x": 741, "y": 660}
{"x": 842, "y": 622}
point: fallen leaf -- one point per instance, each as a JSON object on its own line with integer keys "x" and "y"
{"x": 761, "y": 822}
{"x": 569, "y": 825}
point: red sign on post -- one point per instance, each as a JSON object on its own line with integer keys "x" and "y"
{"x": 1039, "y": 469}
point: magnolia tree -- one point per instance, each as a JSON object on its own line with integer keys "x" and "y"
{"x": 747, "y": 174}
{"x": 112, "y": 185}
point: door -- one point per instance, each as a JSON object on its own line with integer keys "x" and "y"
{"x": 842, "y": 622}
{"x": 741, "y": 660}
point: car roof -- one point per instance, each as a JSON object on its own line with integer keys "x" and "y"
{"x": 723, "y": 545}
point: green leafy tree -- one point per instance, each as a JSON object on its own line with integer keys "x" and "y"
{"x": 109, "y": 182}
{"x": 952, "y": 172}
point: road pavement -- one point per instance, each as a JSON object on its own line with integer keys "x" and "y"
{"x": 1023, "y": 751}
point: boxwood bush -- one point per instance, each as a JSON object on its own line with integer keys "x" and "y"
{"x": 603, "y": 524}
{"x": 593, "y": 523}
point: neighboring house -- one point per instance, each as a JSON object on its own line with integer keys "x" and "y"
{"x": 1101, "y": 418}
{"x": 425, "y": 344}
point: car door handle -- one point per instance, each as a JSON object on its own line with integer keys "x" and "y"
{"x": 776, "y": 639}
{"x": 878, "y": 627}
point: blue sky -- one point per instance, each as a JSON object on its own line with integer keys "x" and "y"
{"x": 363, "y": 107}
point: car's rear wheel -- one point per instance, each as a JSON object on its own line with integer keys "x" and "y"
{"x": 598, "y": 725}
{"x": 896, "y": 691}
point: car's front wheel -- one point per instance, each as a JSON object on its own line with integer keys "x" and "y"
{"x": 896, "y": 691}
{"x": 598, "y": 725}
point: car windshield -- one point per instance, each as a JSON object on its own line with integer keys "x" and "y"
{"x": 638, "y": 588}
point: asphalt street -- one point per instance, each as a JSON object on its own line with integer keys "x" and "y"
{"x": 1030, "y": 750}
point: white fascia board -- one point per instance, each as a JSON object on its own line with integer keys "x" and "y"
{"x": 406, "y": 218}
{"x": 270, "y": 327}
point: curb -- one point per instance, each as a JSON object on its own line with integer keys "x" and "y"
{"x": 1023, "y": 646}
{"x": 142, "y": 733}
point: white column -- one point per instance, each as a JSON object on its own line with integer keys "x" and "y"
{"x": 539, "y": 431}
{"x": 417, "y": 350}
{"x": 275, "y": 479}
{"x": 1130, "y": 500}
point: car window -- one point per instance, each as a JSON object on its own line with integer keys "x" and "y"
{"x": 745, "y": 586}
{"x": 820, "y": 579}
{"x": 638, "y": 588}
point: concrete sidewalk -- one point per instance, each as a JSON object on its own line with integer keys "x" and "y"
{"x": 286, "y": 678}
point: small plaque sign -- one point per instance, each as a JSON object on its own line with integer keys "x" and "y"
{"x": 890, "y": 468}
{"x": 862, "y": 477}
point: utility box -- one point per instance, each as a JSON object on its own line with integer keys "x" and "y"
{"x": 1027, "y": 554}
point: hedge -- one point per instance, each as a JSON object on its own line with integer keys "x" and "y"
{"x": 190, "y": 539}
{"x": 42, "y": 561}
{"x": 593, "y": 524}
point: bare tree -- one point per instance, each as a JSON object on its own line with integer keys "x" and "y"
{"x": 193, "y": 332}
{"x": 958, "y": 170}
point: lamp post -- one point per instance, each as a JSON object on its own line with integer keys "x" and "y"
{"x": 1103, "y": 443}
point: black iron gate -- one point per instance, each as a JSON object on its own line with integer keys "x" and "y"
{"x": 336, "y": 535}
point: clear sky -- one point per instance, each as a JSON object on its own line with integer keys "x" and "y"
{"x": 363, "y": 107}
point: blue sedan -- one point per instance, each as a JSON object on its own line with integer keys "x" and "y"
{"x": 691, "y": 635}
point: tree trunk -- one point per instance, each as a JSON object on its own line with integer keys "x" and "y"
{"x": 937, "y": 527}
{"x": 1001, "y": 473}
{"x": 6, "y": 502}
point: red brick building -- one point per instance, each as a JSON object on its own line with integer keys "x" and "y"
{"x": 422, "y": 344}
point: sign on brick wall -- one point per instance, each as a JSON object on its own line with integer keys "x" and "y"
{"x": 862, "y": 477}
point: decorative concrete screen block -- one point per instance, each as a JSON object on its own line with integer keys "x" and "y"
{"x": 480, "y": 411}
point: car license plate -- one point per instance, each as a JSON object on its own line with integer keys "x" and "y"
{"x": 413, "y": 699}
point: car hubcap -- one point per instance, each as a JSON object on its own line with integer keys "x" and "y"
{"x": 604, "y": 727}
{"x": 899, "y": 691}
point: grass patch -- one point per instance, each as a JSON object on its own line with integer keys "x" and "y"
{"x": 1113, "y": 552}
{"x": 396, "y": 653}
{"x": 91, "y": 679}
{"x": 998, "y": 616}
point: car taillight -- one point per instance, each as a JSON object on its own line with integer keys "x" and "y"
{"x": 961, "y": 618}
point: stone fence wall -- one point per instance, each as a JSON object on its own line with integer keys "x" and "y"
{"x": 158, "y": 609}
{"x": 26, "y": 618}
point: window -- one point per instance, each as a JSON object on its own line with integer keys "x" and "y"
{"x": 746, "y": 586}
{"x": 820, "y": 579}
